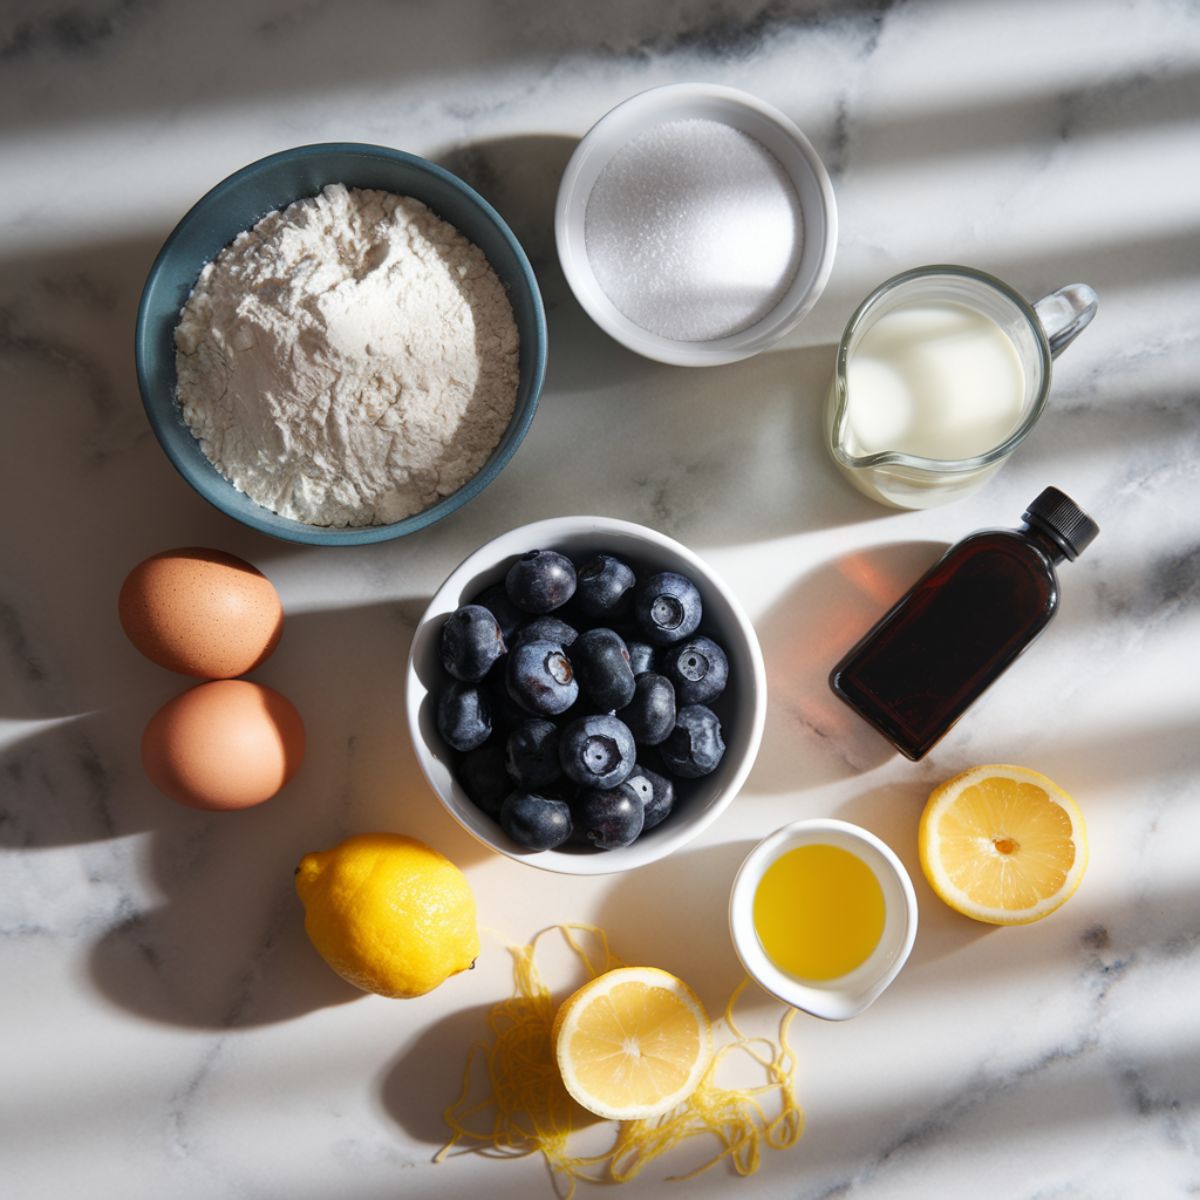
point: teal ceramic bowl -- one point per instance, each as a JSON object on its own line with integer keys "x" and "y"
{"x": 235, "y": 205}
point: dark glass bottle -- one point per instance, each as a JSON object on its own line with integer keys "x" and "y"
{"x": 961, "y": 625}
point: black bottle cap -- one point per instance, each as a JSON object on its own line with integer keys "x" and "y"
{"x": 1055, "y": 513}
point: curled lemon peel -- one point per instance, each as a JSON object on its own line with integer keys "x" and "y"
{"x": 531, "y": 1111}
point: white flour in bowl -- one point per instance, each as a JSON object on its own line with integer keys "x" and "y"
{"x": 349, "y": 360}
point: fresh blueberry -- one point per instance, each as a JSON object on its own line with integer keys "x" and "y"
{"x": 507, "y": 714}
{"x": 541, "y": 679}
{"x": 597, "y": 752}
{"x": 536, "y": 822}
{"x": 540, "y": 581}
{"x": 602, "y": 667}
{"x": 650, "y": 715}
{"x": 698, "y": 668}
{"x": 655, "y": 793}
{"x": 605, "y": 587}
{"x": 464, "y": 716}
{"x": 694, "y": 747}
{"x": 532, "y": 755}
{"x": 609, "y": 819}
{"x": 509, "y": 617}
{"x": 484, "y": 778}
{"x": 471, "y": 642}
{"x": 643, "y": 658}
{"x": 667, "y": 607}
{"x": 546, "y": 629}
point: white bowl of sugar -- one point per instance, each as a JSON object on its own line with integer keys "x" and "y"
{"x": 696, "y": 224}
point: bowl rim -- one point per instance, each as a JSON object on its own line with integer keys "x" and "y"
{"x": 284, "y": 528}
{"x": 770, "y": 328}
{"x": 640, "y": 853}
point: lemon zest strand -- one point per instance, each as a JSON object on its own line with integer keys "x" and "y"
{"x": 532, "y": 1109}
{"x": 533, "y": 1113}
{"x": 733, "y": 1115}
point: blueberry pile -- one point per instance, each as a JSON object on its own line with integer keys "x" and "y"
{"x": 579, "y": 699}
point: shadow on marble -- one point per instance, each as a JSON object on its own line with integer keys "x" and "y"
{"x": 725, "y": 456}
{"x": 207, "y": 930}
{"x": 80, "y": 779}
{"x": 519, "y": 176}
{"x": 215, "y": 964}
{"x": 1033, "y": 120}
{"x": 72, "y": 409}
{"x": 226, "y": 948}
{"x": 812, "y": 737}
{"x": 640, "y": 914}
{"x": 1129, "y": 436}
{"x": 433, "y": 1061}
{"x": 731, "y": 455}
{"x": 134, "y": 64}
{"x": 1113, "y": 266}
{"x": 440, "y": 1053}
{"x": 96, "y": 493}
{"x": 1163, "y": 750}
{"x": 77, "y": 781}
{"x": 1038, "y": 1106}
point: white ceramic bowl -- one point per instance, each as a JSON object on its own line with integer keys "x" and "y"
{"x": 742, "y": 708}
{"x": 847, "y": 996}
{"x": 746, "y": 113}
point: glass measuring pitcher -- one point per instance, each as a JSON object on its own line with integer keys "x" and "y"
{"x": 941, "y": 374}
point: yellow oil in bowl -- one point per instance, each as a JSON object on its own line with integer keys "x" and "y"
{"x": 819, "y": 912}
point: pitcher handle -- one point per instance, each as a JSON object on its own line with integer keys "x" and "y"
{"x": 1065, "y": 314}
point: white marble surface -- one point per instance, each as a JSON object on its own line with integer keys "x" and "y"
{"x": 167, "y": 1030}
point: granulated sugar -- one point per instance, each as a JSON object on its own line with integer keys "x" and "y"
{"x": 694, "y": 230}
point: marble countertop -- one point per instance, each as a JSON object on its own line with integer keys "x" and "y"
{"x": 168, "y": 1030}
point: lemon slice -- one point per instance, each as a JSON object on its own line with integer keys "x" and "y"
{"x": 632, "y": 1043}
{"x": 1003, "y": 844}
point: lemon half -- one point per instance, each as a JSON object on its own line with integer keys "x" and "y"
{"x": 1003, "y": 844}
{"x": 632, "y": 1043}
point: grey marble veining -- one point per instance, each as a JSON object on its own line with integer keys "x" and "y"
{"x": 168, "y": 1030}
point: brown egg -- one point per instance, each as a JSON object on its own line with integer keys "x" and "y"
{"x": 223, "y": 745}
{"x": 201, "y": 612}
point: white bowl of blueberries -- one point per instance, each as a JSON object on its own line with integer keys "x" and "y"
{"x": 585, "y": 695}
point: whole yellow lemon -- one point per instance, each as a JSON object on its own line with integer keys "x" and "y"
{"x": 388, "y": 913}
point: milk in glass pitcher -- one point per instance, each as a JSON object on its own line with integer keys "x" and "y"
{"x": 941, "y": 374}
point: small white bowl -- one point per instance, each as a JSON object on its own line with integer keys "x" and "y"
{"x": 847, "y": 996}
{"x": 746, "y": 113}
{"x": 742, "y": 707}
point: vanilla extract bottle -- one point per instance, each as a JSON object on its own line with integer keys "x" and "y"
{"x": 961, "y": 625}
